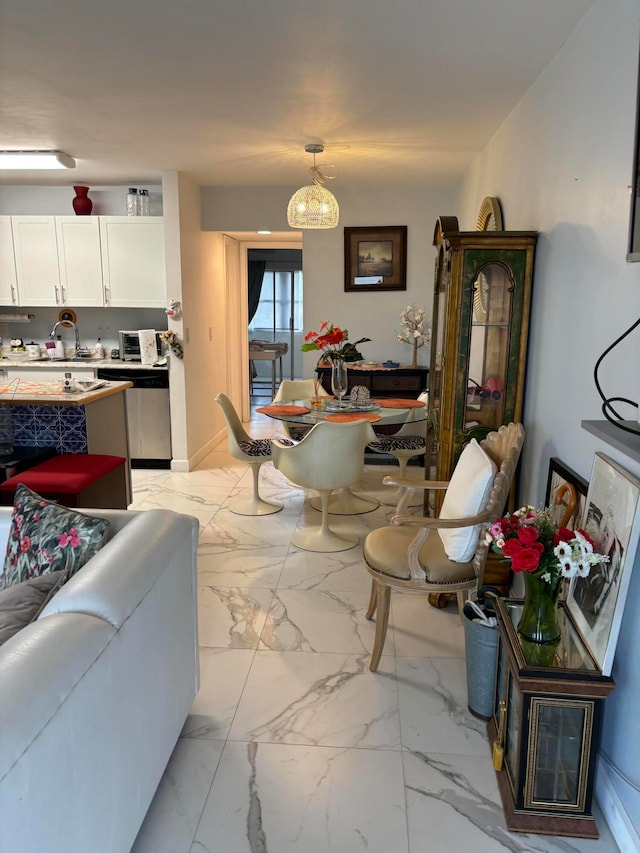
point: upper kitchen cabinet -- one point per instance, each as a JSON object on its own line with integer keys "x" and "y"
{"x": 36, "y": 256}
{"x": 8, "y": 279}
{"x": 58, "y": 260}
{"x": 133, "y": 266}
{"x": 79, "y": 261}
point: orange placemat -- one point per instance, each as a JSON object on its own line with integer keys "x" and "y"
{"x": 347, "y": 417}
{"x": 283, "y": 410}
{"x": 400, "y": 404}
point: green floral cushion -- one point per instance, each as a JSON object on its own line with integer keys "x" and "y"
{"x": 46, "y": 537}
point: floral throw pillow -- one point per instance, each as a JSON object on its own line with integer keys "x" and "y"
{"x": 46, "y": 537}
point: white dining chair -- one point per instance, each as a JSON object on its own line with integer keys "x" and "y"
{"x": 329, "y": 457}
{"x": 408, "y": 443}
{"x": 297, "y": 389}
{"x": 255, "y": 452}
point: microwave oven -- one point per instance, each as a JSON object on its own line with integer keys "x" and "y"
{"x": 129, "y": 345}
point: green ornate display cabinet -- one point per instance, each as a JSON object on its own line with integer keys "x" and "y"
{"x": 480, "y": 323}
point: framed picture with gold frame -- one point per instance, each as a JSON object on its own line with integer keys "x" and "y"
{"x": 375, "y": 259}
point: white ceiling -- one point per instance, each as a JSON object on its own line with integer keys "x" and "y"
{"x": 399, "y": 92}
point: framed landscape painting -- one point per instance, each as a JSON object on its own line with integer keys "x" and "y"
{"x": 612, "y": 520}
{"x": 375, "y": 258}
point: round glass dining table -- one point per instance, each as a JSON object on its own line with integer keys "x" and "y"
{"x": 380, "y": 413}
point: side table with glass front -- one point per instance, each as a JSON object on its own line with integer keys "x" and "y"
{"x": 547, "y": 724}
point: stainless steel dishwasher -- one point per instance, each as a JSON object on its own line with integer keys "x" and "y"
{"x": 148, "y": 414}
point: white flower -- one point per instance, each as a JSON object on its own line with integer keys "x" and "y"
{"x": 500, "y": 543}
{"x": 585, "y": 545}
{"x": 524, "y": 510}
{"x": 563, "y": 550}
{"x": 546, "y": 577}
{"x": 583, "y": 568}
{"x": 568, "y": 568}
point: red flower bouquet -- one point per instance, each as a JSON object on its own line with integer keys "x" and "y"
{"x": 333, "y": 342}
{"x": 534, "y": 543}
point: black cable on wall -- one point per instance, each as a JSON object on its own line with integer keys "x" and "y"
{"x": 607, "y": 408}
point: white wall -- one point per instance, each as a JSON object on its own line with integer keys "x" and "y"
{"x": 376, "y": 315}
{"x": 373, "y": 315}
{"x": 195, "y": 275}
{"x": 561, "y": 164}
{"x": 56, "y": 201}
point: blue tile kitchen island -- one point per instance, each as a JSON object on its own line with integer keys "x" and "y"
{"x": 40, "y": 414}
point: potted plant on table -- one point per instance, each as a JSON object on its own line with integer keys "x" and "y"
{"x": 333, "y": 342}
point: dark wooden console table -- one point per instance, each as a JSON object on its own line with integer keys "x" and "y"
{"x": 382, "y": 381}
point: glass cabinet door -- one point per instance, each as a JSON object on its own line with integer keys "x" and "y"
{"x": 512, "y": 734}
{"x": 491, "y": 295}
{"x": 557, "y": 737}
{"x": 439, "y": 332}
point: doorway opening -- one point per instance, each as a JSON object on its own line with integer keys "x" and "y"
{"x": 275, "y": 317}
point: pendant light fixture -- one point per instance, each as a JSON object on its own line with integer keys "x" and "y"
{"x": 313, "y": 206}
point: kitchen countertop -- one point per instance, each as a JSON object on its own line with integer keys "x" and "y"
{"x": 21, "y": 393}
{"x": 68, "y": 364}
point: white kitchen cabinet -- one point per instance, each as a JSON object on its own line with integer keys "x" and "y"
{"x": 133, "y": 267}
{"x": 79, "y": 261}
{"x": 36, "y": 256}
{"x": 8, "y": 279}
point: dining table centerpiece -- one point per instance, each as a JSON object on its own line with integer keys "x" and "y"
{"x": 546, "y": 555}
{"x": 336, "y": 349}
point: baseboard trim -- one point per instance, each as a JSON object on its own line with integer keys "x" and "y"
{"x": 183, "y": 466}
{"x": 618, "y": 818}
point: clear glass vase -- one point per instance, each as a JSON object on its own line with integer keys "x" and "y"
{"x": 539, "y": 620}
{"x": 339, "y": 378}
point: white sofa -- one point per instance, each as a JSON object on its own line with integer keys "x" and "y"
{"x": 93, "y": 695}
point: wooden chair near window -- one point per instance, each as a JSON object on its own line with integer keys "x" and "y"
{"x": 445, "y": 554}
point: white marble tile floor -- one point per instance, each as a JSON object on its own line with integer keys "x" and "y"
{"x": 292, "y": 745}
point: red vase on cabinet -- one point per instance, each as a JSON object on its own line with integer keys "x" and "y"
{"x": 82, "y": 204}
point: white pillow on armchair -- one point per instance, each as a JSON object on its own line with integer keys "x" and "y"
{"x": 467, "y": 495}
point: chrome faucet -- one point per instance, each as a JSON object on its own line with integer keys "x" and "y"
{"x": 66, "y": 324}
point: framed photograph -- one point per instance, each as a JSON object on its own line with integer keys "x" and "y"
{"x": 612, "y": 519}
{"x": 375, "y": 258}
{"x": 633, "y": 253}
{"x": 566, "y": 493}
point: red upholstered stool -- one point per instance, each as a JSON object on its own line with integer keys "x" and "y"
{"x": 74, "y": 479}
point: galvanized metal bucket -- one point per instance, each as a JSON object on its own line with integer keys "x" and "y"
{"x": 481, "y": 649}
